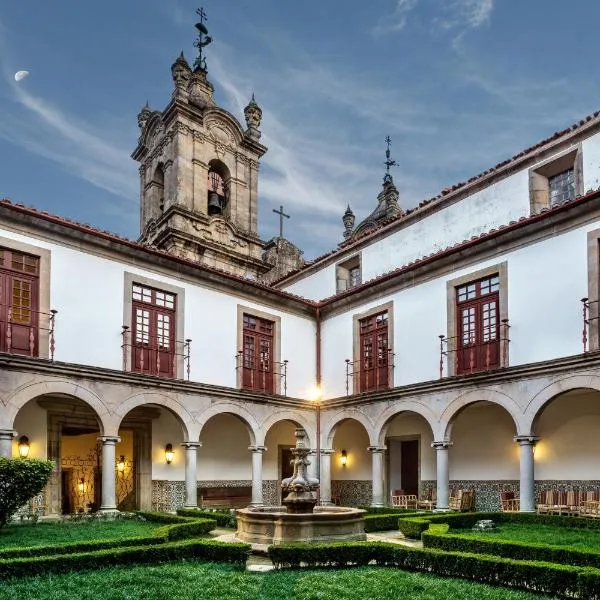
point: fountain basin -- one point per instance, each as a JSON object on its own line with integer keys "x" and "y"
{"x": 273, "y": 525}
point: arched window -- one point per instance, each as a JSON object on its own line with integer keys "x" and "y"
{"x": 218, "y": 191}
{"x": 158, "y": 188}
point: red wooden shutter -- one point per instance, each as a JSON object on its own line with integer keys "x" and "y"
{"x": 374, "y": 354}
{"x": 257, "y": 354}
{"x": 153, "y": 336}
{"x": 478, "y": 325}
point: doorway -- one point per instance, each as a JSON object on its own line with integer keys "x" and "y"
{"x": 403, "y": 464}
{"x": 286, "y": 466}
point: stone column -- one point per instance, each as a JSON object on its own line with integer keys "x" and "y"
{"x": 527, "y": 472}
{"x": 191, "y": 476}
{"x": 257, "y": 482}
{"x": 108, "y": 501}
{"x": 377, "y": 474}
{"x": 325, "y": 488}
{"x": 6, "y": 438}
{"x": 442, "y": 474}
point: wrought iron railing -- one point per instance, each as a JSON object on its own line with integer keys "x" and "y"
{"x": 261, "y": 378}
{"x": 157, "y": 352}
{"x": 30, "y": 322}
{"x": 472, "y": 353}
{"x": 372, "y": 375}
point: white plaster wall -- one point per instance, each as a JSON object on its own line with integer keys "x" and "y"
{"x": 31, "y": 421}
{"x": 351, "y": 437}
{"x": 281, "y": 434}
{"x": 591, "y": 163}
{"x": 224, "y": 454}
{"x": 545, "y": 319}
{"x": 570, "y": 445}
{"x": 88, "y": 292}
{"x": 167, "y": 430}
{"x": 316, "y": 286}
{"x": 409, "y": 425}
{"x": 483, "y": 446}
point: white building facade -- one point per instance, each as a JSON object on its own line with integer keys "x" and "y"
{"x": 454, "y": 346}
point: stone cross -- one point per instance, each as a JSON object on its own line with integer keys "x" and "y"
{"x": 281, "y": 216}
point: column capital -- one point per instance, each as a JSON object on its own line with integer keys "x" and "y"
{"x": 257, "y": 449}
{"x": 109, "y": 439}
{"x": 441, "y": 445}
{"x": 8, "y": 434}
{"x": 377, "y": 449}
{"x": 526, "y": 440}
{"x": 326, "y": 451}
{"x": 191, "y": 444}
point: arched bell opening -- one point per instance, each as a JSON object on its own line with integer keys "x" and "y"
{"x": 219, "y": 180}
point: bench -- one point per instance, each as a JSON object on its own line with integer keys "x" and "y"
{"x": 225, "y": 497}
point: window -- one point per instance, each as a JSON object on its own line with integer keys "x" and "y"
{"x": 257, "y": 354}
{"x": 153, "y": 331}
{"x": 373, "y": 361}
{"x": 19, "y": 312}
{"x": 348, "y": 274}
{"x": 478, "y": 325}
{"x": 556, "y": 180}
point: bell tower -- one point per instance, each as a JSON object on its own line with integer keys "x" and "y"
{"x": 199, "y": 173}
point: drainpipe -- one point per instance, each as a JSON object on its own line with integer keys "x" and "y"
{"x": 318, "y": 400}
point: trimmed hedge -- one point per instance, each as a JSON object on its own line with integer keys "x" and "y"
{"x": 441, "y": 540}
{"x": 413, "y": 526}
{"x": 387, "y": 510}
{"x": 552, "y": 579}
{"x": 222, "y": 518}
{"x": 209, "y": 550}
{"x": 381, "y": 522}
{"x": 178, "y": 528}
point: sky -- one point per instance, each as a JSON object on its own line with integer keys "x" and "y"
{"x": 458, "y": 85}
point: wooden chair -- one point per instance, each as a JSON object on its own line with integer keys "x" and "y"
{"x": 548, "y": 502}
{"x": 402, "y": 500}
{"x": 462, "y": 501}
{"x": 508, "y": 502}
{"x": 589, "y": 504}
{"x": 430, "y": 500}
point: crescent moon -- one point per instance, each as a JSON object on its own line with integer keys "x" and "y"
{"x": 21, "y": 75}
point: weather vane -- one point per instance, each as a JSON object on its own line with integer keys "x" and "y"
{"x": 203, "y": 40}
{"x": 388, "y": 161}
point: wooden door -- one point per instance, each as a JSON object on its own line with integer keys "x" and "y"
{"x": 257, "y": 354}
{"x": 374, "y": 359}
{"x": 409, "y": 466}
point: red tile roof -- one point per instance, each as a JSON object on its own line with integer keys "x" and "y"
{"x": 348, "y": 244}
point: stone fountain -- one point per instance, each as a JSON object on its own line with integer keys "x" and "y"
{"x": 299, "y": 519}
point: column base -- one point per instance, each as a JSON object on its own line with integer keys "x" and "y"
{"x": 441, "y": 510}
{"x": 326, "y": 503}
{"x": 109, "y": 512}
{"x": 256, "y": 504}
{"x": 377, "y": 504}
{"x": 190, "y": 506}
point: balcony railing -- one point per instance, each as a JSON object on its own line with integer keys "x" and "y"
{"x": 477, "y": 357}
{"x": 158, "y": 355}
{"x": 22, "y": 329}
{"x": 261, "y": 378}
{"x": 373, "y": 380}
{"x": 587, "y": 319}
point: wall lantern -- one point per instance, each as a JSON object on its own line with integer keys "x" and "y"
{"x": 169, "y": 453}
{"x": 344, "y": 458}
{"x": 81, "y": 486}
{"x": 23, "y": 446}
{"x": 121, "y": 464}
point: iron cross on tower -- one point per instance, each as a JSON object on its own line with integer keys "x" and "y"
{"x": 281, "y": 217}
{"x": 388, "y": 161}
{"x": 203, "y": 40}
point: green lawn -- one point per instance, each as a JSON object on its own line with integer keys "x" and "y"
{"x": 188, "y": 581}
{"x": 584, "y": 539}
{"x": 47, "y": 534}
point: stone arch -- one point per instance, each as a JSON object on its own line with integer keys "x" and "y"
{"x": 191, "y": 431}
{"x": 233, "y": 409}
{"x": 331, "y": 423}
{"x": 459, "y": 404}
{"x": 296, "y": 417}
{"x": 540, "y": 400}
{"x": 31, "y": 391}
{"x": 398, "y": 408}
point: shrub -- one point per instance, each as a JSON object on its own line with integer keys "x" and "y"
{"x": 387, "y": 510}
{"x": 223, "y": 518}
{"x": 381, "y": 522}
{"x": 20, "y": 480}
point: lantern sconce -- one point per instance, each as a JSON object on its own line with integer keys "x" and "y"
{"x": 344, "y": 458}
{"x": 121, "y": 464}
{"x": 24, "y": 446}
{"x": 81, "y": 486}
{"x": 169, "y": 453}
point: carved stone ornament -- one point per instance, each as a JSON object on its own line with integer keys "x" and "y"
{"x": 253, "y": 115}
{"x": 181, "y": 73}
{"x": 220, "y": 232}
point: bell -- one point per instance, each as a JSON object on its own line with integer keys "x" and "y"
{"x": 214, "y": 204}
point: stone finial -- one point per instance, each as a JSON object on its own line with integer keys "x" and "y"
{"x": 253, "y": 114}
{"x": 143, "y": 116}
{"x": 391, "y": 195}
{"x": 348, "y": 219}
{"x": 181, "y": 73}
{"x": 200, "y": 89}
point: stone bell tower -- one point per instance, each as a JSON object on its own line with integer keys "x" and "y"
{"x": 199, "y": 173}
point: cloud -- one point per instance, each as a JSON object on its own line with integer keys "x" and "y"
{"x": 396, "y": 21}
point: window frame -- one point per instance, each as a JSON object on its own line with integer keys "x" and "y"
{"x": 343, "y": 272}
{"x": 43, "y": 291}
{"x": 131, "y": 279}
{"x": 356, "y": 343}
{"x": 540, "y": 174}
{"x": 276, "y": 349}
{"x": 452, "y": 305}
{"x": 593, "y": 295}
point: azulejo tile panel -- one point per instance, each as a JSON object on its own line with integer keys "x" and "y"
{"x": 353, "y": 492}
